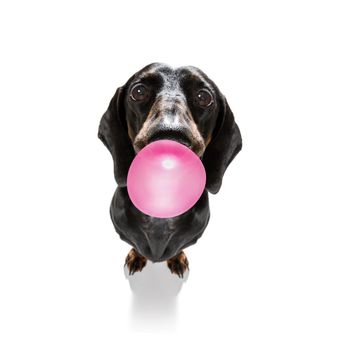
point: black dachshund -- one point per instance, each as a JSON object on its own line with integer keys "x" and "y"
{"x": 184, "y": 105}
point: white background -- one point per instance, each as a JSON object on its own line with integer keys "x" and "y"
{"x": 271, "y": 270}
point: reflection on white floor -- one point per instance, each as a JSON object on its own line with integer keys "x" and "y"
{"x": 154, "y": 299}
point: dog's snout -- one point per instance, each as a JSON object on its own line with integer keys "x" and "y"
{"x": 170, "y": 119}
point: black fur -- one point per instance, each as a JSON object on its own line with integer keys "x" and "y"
{"x": 154, "y": 238}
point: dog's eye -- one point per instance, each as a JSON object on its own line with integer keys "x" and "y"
{"x": 139, "y": 93}
{"x": 203, "y": 98}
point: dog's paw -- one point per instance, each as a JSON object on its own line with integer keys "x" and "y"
{"x": 135, "y": 262}
{"x": 178, "y": 264}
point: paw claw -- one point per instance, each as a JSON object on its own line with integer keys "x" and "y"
{"x": 178, "y": 264}
{"x": 135, "y": 261}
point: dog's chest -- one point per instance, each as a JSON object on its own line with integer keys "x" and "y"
{"x": 151, "y": 225}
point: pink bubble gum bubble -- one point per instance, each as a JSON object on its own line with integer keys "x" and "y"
{"x": 165, "y": 179}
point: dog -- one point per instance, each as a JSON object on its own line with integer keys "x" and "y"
{"x": 184, "y": 105}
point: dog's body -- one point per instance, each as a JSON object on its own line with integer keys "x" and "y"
{"x": 184, "y": 105}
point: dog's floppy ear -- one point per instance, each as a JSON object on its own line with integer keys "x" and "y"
{"x": 224, "y": 146}
{"x": 113, "y": 133}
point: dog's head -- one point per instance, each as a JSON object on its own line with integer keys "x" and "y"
{"x": 182, "y": 104}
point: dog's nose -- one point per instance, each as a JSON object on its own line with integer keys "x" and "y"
{"x": 178, "y": 135}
